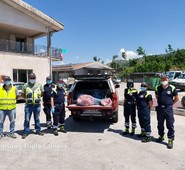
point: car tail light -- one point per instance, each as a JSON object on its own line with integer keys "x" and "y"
{"x": 69, "y": 99}
{"x": 114, "y": 100}
{"x": 74, "y": 112}
{"x": 108, "y": 113}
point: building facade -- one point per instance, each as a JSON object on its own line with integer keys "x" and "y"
{"x": 20, "y": 25}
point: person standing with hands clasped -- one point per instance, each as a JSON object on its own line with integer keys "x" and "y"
{"x": 58, "y": 107}
{"x": 144, "y": 104}
{"x": 130, "y": 95}
{"x": 8, "y": 96}
{"x": 46, "y": 93}
{"x": 32, "y": 93}
{"x": 166, "y": 96}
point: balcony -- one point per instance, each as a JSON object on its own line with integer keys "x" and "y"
{"x": 25, "y": 48}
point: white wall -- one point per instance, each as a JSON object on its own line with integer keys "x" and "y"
{"x": 10, "y": 61}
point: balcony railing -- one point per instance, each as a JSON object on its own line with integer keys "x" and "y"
{"x": 25, "y": 48}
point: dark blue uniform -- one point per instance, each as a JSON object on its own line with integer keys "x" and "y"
{"x": 143, "y": 100}
{"x": 47, "y": 100}
{"x": 130, "y": 95}
{"x": 59, "y": 98}
{"x": 165, "y": 109}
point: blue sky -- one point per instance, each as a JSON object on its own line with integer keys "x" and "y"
{"x": 103, "y": 28}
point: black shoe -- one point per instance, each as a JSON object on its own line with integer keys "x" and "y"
{"x": 125, "y": 133}
{"x": 170, "y": 144}
{"x": 62, "y": 129}
{"x": 24, "y": 136}
{"x": 133, "y": 132}
{"x": 160, "y": 139}
{"x": 40, "y": 133}
{"x": 55, "y": 132}
{"x": 142, "y": 134}
{"x": 49, "y": 126}
{"x": 146, "y": 139}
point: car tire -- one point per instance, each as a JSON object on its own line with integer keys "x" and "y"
{"x": 183, "y": 101}
{"x": 76, "y": 119}
{"x": 115, "y": 117}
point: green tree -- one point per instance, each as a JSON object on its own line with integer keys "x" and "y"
{"x": 96, "y": 59}
{"x": 123, "y": 54}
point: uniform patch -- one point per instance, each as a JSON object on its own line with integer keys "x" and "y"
{"x": 168, "y": 92}
{"x": 141, "y": 96}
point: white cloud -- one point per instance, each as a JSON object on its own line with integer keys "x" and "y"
{"x": 129, "y": 54}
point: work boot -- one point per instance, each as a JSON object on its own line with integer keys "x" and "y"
{"x": 126, "y": 132}
{"x": 24, "y": 136}
{"x": 62, "y": 129}
{"x": 55, "y": 132}
{"x": 142, "y": 134}
{"x": 49, "y": 124}
{"x": 170, "y": 144}
{"x": 12, "y": 135}
{"x": 1, "y": 135}
{"x": 160, "y": 139}
{"x": 133, "y": 131}
{"x": 40, "y": 133}
{"x": 146, "y": 139}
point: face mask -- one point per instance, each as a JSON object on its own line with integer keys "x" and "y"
{"x": 143, "y": 88}
{"x": 48, "y": 81}
{"x": 164, "y": 83}
{"x": 61, "y": 85}
{"x": 7, "y": 83}
{"x": 32, "y": 81}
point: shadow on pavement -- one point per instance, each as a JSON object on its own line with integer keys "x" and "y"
{"x": 84, "y": 125}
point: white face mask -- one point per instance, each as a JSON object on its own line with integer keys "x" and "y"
{"x": 164, "y": 83}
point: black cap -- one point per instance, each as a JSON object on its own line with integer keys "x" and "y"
{"x": 143, "y": 84}
{"x": 7, "y": 78}
{"x": 48, "y": 78}
{"x": 32, "y": 76}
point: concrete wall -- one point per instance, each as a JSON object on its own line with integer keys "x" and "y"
{"x": 17, "y": 18}
{"x": 10, "y": 61}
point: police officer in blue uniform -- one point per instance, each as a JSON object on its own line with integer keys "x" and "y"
{"x": 58, "y": 107}
{"x": 46, "y": 93}
{"x": 166, "y": 95}
{"x": 130, "y": 95}
{"x": 144, "y": 104}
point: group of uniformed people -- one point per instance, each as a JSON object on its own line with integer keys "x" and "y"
{"x": 53, "y": 101}
{"x": 166, "y": 96}
{"x": 54, "y": 98}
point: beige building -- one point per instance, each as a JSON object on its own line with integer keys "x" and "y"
{"x": 88, "y": 68}
{"x": 20, "y": 25}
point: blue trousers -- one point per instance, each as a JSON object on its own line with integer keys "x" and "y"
{"x": 29, "y": 109}
{"x": 167, "y": 114}
{"x": 144, "y": 119}
{"x": 130, "y": 111}
{"x": 11, "y": 115}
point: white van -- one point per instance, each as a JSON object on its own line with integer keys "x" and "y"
{"x": 173, "y": 74}
{"x": 179, "y": 82}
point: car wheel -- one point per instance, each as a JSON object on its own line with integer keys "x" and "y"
{"x": 76, "y": 119}
{"x": 115, "y": 117}
{"x": 183, "y": 101}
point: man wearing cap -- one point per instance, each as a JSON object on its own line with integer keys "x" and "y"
{"x": 32, "y": 93}
{"x": 58, "y": 107}
{"x": 166, "y": 96}
{"x": 8, "y": 96}
{"x": 144, "y": 104}
{"x": 46, "y": 93}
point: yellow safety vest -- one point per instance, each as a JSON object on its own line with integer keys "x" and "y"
{"x": 7, "y": 98}
{"x": 33, "y": 95}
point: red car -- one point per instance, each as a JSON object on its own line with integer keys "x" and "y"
{"x": 93, "y": 96}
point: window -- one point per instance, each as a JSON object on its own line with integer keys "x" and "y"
{"x": 21, "y": 75}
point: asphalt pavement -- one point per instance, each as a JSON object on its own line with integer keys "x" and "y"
{"x": 91, "y": 145}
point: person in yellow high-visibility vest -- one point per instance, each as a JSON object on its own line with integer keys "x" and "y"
{"x": 8, "y": 96}
{"x": 32, "y": 93}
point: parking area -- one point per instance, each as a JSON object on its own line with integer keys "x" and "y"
{"x": 90, "y": 145}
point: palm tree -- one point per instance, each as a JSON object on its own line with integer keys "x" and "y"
{"x": 141, "y": 51}
{"x": 124, "y": 55}
{"x": 96, "y": 59}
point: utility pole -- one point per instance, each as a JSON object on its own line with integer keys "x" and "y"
{"x": 49, "y": 52}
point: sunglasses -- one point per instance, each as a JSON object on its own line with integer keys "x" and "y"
{"x": 32, "y": 77}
